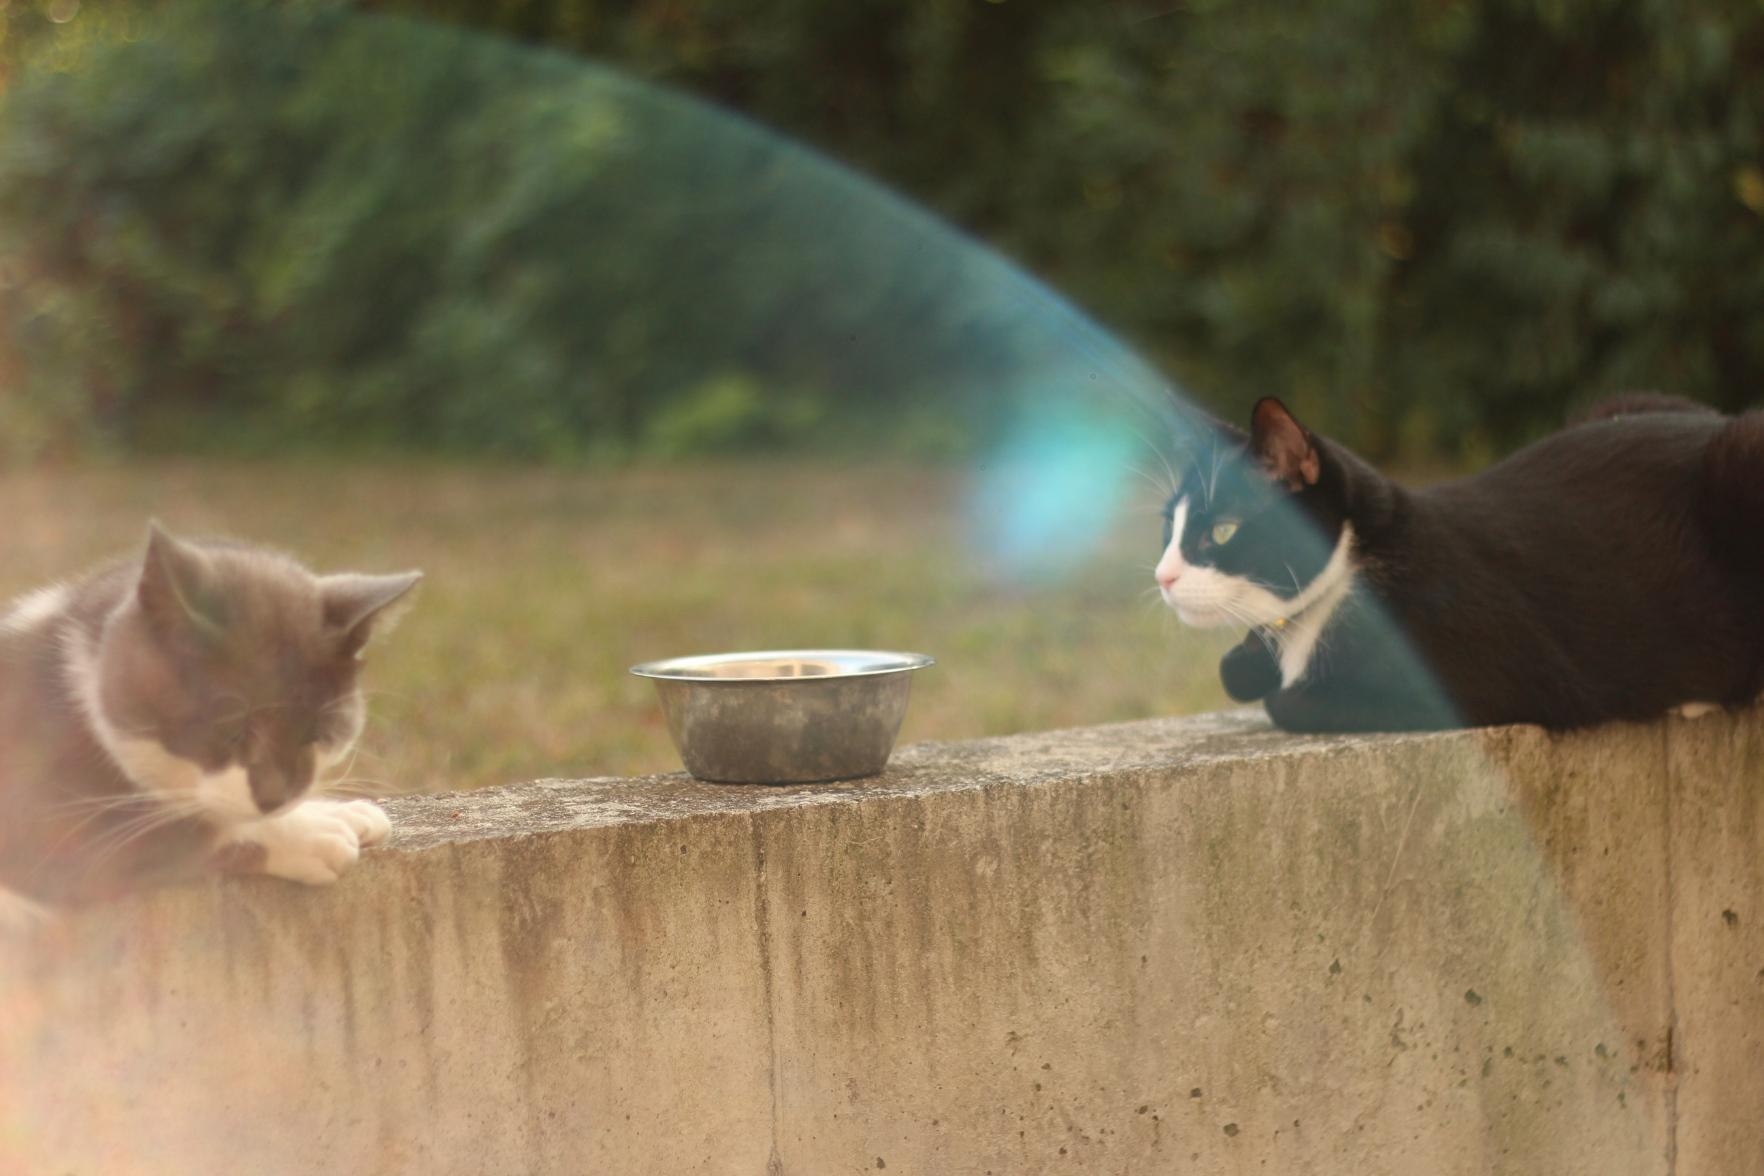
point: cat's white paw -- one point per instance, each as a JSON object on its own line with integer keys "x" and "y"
{"x": 316, "y": 841}
{"x": 313, "y": 843}
{"x": 1695, "y": 710}
{"x": 368, "y": 819}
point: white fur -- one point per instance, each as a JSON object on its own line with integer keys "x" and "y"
{"x": 18, "y": 913}
{"x": 316, "y": 840}
{"x": 1207, "y": 598}
{"x": 311, "y": 841}
{"x": 222, "y": 796}
{"x": 32, "y": 609}
{"x": 1299, "y": 638}
{"x": 1695, "y": 710}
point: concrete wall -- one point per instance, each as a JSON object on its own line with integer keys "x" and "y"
{"x": 1191, "y": 946}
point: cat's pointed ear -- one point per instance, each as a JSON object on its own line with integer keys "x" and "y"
{"x": 1285, "y": 448}
{"x": 174, "y": 589}
{"x": 357, "y": 606}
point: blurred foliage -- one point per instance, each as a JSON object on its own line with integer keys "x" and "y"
{"x": 1434, "y": 228}
{"x": 314, "y": 228}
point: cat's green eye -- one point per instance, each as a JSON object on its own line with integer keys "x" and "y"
{"x": 1222, "y": 532}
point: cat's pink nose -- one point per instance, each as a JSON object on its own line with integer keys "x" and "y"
{"x": 1167, "y": 580}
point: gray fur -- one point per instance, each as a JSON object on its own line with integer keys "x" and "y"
{"x": 203, "y": 657}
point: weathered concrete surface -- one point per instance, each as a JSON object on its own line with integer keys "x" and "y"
{"x": 1193, "y": 946}
{"x": 1717, "y": 937}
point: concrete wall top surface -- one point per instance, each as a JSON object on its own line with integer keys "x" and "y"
{"x": 1194, "y": 946}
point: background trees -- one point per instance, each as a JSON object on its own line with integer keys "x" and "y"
{"x": 1434, "y": 228}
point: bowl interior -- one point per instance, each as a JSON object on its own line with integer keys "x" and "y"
{"x": 783, "y": 665}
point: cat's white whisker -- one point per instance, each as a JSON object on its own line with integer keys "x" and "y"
{"x": 341, "y": 780}
{"x": 1213, "y": 475}
{"x": 397, "y": 695}
{"x": 109, "y": 848}
{"x": 112, "y": 841}
{"x": 1157, "y": 487}
{"x": 1172, "y": 482}
{"x": 362, "y": 790}
{"x": 101, "y": 803}
{"x": 72, "y": 832}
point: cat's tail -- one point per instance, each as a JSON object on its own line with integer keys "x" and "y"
{"x": 1733, "y": 485}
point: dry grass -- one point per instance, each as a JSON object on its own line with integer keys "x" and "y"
{"x": 544, "y": 585}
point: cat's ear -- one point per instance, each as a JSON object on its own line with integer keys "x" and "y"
{"x": 1285, "y": 448}
{"x": 356, "y": 606}
{"x": 174, "y": 590}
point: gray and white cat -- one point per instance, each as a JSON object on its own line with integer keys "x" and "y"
{"x": 177, "y": 712}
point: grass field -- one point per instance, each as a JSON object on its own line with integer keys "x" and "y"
{"x": 544, "y": 586}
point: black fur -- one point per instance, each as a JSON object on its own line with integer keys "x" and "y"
{"x": 1635, "y": 403}
{"x": 1611, "y": 571}
{"x": 1251, "y": 670}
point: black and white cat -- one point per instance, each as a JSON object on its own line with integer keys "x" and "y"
{"x": 1614, "y": 570}
{"x": 176, "y": 711}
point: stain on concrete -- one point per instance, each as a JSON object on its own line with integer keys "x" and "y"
{"x": 568, "y": 975}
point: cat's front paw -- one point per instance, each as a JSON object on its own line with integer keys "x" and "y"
{"x": 314, "y": 842}
{"x": 1249, "y": 671}
{"x": 368, "y": 819}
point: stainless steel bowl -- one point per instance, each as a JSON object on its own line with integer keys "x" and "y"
{"x": 787, "y": 716}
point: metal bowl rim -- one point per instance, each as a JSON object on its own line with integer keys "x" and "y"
{"x": 666, "y": 669}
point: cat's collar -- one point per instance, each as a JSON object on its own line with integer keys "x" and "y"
{"x": 1274, "y": 628}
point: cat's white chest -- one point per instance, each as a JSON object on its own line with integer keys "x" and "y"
{"x": 1301, "y": 639}
{"x": 1297, "y": 647}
